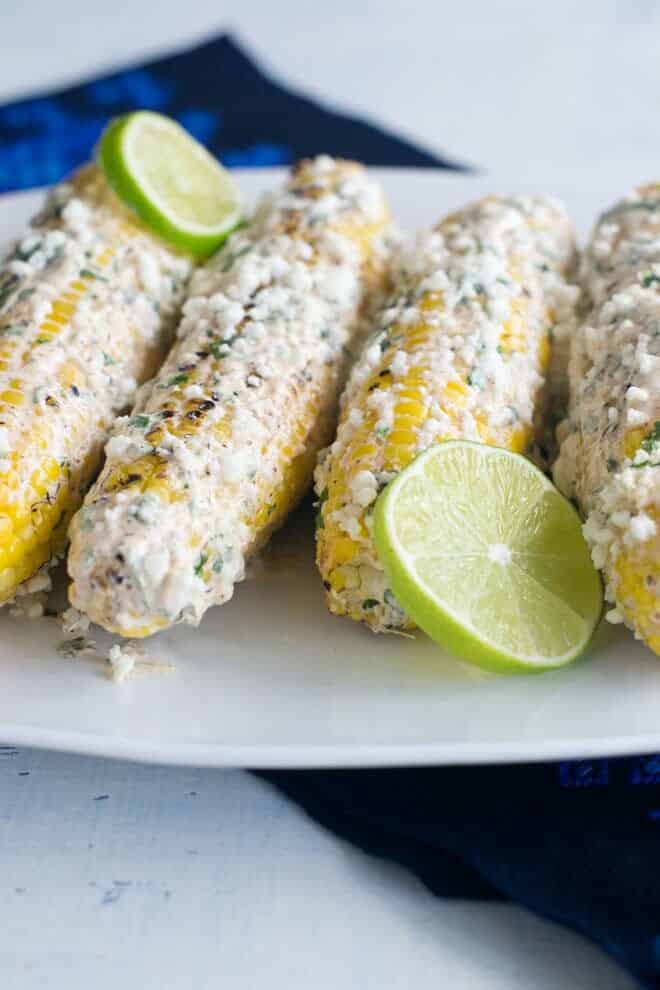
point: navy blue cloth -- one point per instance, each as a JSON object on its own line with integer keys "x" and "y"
{"x": 576, "y": 842}
{"x": 216, "y": 92}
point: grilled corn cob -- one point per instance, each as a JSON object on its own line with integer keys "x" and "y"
{"x": 610, "y": 454}
{"x": 462, "y": 352}
{"x": 222, "y": 443}
{"x": 88, "y": 302}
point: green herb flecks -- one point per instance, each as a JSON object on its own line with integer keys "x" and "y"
{"x": 72, "y": 648}
{"x": 8, "y": 283}
{"x": 232, "y": 257}
{"x": 199, "y": 566}
{"x": 650, "y": 445}
{"x": 650, "y": 442}
{"x": 221, "y": 348}
{"x": 90, "y": 273}
{"x": 323, "y": 497}
{"x": 644, "y": 204}
{"x": 24, "y": 254}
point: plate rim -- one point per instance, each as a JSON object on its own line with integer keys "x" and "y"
{"x": 320, "y": 756}
{"x": 275, "y": 756}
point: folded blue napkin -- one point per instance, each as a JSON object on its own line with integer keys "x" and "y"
{"x": 216, "y": 92}
{"x": 576, "y": 842}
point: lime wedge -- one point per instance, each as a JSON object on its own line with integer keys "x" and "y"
{"x": 173, "y": 184}
{"x": 488, "y": 558}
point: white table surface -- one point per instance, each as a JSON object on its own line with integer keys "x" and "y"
{"x": 113, "y": 874}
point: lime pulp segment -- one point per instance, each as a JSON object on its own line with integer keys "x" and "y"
{"x": 488, "y": 558}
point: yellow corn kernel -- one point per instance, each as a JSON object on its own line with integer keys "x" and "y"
{"x": 7, "y": 581}
{"x": 12, "y": 397}
{"x": 336, "y": 579}
{"x": 637, "y": 577}
{"x": 633, "y": 441}
{"x": 345, "y": 563}
{"x": 71, "y": 374}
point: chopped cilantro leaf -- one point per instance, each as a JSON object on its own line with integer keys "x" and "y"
{"x": 88, "y": 273}
{"x": 70, "y": 648}
{"x": 650, "y": 442}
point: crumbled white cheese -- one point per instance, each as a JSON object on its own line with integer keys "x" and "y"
{"x": 614, "y": 360}
{"x": 193, "y": 392}
{"x": 399, "y": 364}
{"x": 122, "y": 662}
{"x": 447, "y": 359}
{"x": 264, "y": 338}
{"x": 74, "y": 623}
{"x": 636, "y": 417}
{"x": 642, "y": 527}
{"x": 129, "y": 286}
{"x": 636, "y": 394}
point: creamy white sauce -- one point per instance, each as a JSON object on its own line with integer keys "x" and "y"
{"x": 263, "y": 337}
{"x": 77, "y": 378}
{"x": 615, "y": 389}
{"x": 494, "y": 259}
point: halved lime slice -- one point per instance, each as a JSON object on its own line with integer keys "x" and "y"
{"x": 173, "y": 184}
{"x": 488, "y": 558}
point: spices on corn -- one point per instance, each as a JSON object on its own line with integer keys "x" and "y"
{"x": 610, "y": 453}
{"x": 222, "y": 443}
{"x": 462, "y": 352}
{"x": 88, "y": 301}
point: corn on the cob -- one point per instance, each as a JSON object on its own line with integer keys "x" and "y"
{"x": 461, "y": 353}
{"x": 88, "y": 302}
{"x": 222, "y": 443}
{"x": 610, "y": 453}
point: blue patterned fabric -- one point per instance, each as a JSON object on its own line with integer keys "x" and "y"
{"x": 216, "y": 92}
{"x": 578, "y": 842}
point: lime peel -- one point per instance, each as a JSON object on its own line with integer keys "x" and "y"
{"x": 487, "y": 557}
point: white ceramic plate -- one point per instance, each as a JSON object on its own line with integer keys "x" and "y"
{"x": 272, "y": 680}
